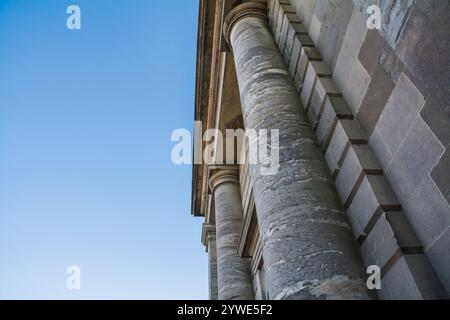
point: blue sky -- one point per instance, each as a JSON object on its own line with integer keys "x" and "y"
{"x": 85, "y": 171}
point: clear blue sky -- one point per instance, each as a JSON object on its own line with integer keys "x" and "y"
{"x": 85, "y": 171}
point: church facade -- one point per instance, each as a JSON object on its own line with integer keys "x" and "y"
{"x": 358, "y": 92}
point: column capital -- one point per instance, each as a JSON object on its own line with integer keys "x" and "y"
{"x": 246, "y": 9}
{"x": 208, "y": 232}
{"x": 223, "y": 174}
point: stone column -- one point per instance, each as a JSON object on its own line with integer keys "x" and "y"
{"x": 212, "y": 265}
{"x": 308, "y": 248}
{"x": 233, "y": 272}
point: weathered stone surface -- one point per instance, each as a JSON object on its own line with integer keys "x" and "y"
{"x": 289, "y": 44}
{"x": 375, "y": 99}
{"x": 283, "y": 34}
{"x": 424, "y": 48}
{"x": 323, "y": 89}
{"x": 315, "y": 69}
{"x": 359, "y": 161}
{"x": 273, "y": 19}
{"x": 439, "y": 255}
{"x": 411, "y": 278}
{"x": 428, "y": 212}
{"x": 334, "y": 25}
{"x": 304, "y": 9}
{"x": 441, "y": 175}
{"x": 387, "y": 238}
{"x": 233, "y": 272}
{"x": 295, "y": 55}
{"x": 393, "y": 16}
{"x": 317, "y": 18}
{"x": 437, "y": 117}
{"x": 346, "y": 132}
{"x": 392, "y": 64}
{"x": 373, "y": 196}
{"x": 416, "y": 156}
{"x": 371, "y": 50}
{"x": 349, "y": 75}
{"x": 399, "y": 114}
{"x": 308, "y": 249}
{"x": 307, "y": 54}
{"x": 335, "y": 108}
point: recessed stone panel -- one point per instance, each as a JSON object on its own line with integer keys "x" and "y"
{"x": 415, "y": 158}
{"x": 349, "y": 75}
{"x": 428, "y": 212}
{"x": 400, "y": 112}
{"x": 411, "y": 278}
{"x": 315, "y": 69}
{"x": 439, "y": 255}
{"x": 375, "y": 99}
{"x": 346, "y": 132}
{"x": 335, "y": 108}
{"x": 358, "y": 161}
{"x": 373, "y": 196}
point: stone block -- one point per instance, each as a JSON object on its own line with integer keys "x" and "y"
{"x": 359, "y": 161}
{"x": 441, "y": 175}
{"x": 370, "y": 52}
{"x": 380, "y": 148}
{"x": 293, "y": 18}
{"x": 333, "y": 29}
{"x": 391, "y": 234}
{"x": 349, "y": 75}
{"x": 274, "y": 15}
{"x": 305, "y": 40}
{"x": 346, "y": 133}
{"x": 278, "y": 23}
{"x": 314, "y": 109}
{"x": 436, "y": 114}
{"x": 270, "y": 8}
{"x": 283, "y": 21}
{"x": 400, "y": 112}
{"x": 293, "y": 30}
{"x": 439, "y": 255}
{"x": 415, "y": 158}
{"x": 429, "y": 212}
{"x": 424, "y": 47}
{"x": 373, "y": 197}
{"x": 295, "y": 55}
{"x": 335, "y": 108}
{"x": 324, "y": 87}
{"x": 375, "y": 99}
{"x": 289, "y": 44}
{"x": 315, "y": 69}
{"x": 283, "y": 34}
{"x": 306, "y": 54}
{"x": 411, "y": 278}
{"x": 317, "y": 18}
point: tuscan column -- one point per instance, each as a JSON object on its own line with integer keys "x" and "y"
{"x": 233, "y": 272}
{"x": 308, "y": 249}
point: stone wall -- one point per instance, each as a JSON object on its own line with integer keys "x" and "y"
{"x": 379, "y": 102}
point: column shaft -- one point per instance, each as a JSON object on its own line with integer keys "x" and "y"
{"x": 233, "y": 272}
{"x": 308, "y": 249}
